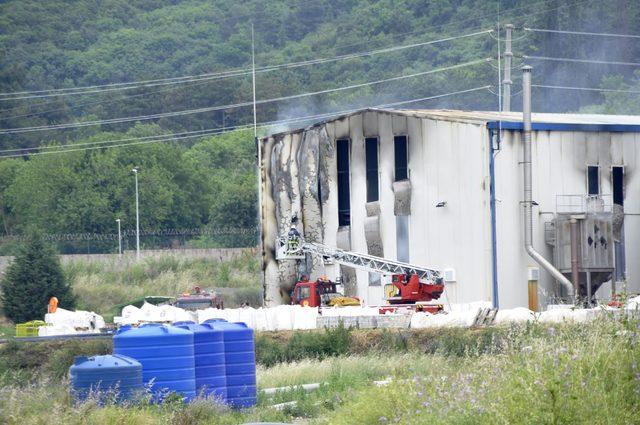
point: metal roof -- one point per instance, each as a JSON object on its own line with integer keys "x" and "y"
{"x": 510, "y": 120}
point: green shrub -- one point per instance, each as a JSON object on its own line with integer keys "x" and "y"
{"x": 50, "y": 359}
{"x": 302, "y": 345}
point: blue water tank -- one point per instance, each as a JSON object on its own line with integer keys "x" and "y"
{"x": 208, "y": 342}
{"x": 166, "y": 356}
{"x": 116, "y": 377}
{"x": 240, "y": 362}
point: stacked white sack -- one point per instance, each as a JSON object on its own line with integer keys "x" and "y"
{"x": 452, "y": 319}
{"x": 56, "y": 330}
{"x": 151, "y": 313}
{"x": 560, "y": 315}
{"x": 176, "y": 314}
{"x": 247, "y": 315}
{"x": 130, "y": 315}
{"x": 305, "y": 317}
{"x": 210, "y": 313}
{"x": 515, "y": 315}
{"x": 425, "y": 320}
{"x": 633, "y": 304}
{"x": 85, "y": 320}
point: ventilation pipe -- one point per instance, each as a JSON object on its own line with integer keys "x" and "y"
{"x": 528, "y": 217}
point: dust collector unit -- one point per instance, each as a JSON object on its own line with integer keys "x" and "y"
{"x": 594, "y": 244}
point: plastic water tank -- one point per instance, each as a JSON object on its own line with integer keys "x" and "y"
{"x": 208, "y": 342}
{"x": 106, "y": 376}
{"x": 240, "y": 362}
{"x": 166, "y": 355}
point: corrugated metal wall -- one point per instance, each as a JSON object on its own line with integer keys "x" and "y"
{"x": 448, "y": 162}
{"x": 560, "y": 160}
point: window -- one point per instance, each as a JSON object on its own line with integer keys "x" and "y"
{"x": 344, "y": 201}
{"x": 402, "y": 238}
{"x": 371, "y": 152}
{"x": 593, "y": 185}
{"x": 374, "y": 279}
{"x": 305, "y": 292}
{"x": 401, "y": 157}
{"x": 617, "y": 175}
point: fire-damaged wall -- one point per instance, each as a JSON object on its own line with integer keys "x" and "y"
{"x": 296, "y": 189}
{"x": 390, "y": 216}
{"x": 299, "y": 181}
{"x": 435, "y": 210}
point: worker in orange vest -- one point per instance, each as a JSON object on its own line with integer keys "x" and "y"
{"x": 53, "y": 305}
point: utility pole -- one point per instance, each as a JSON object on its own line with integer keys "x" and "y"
{"x": 253, "y": 71}
{"x": 119, "y": 238}
{"x": 135, "y": 172}
{"x": 506, "y": 82}
{"x": 258, "y": 156}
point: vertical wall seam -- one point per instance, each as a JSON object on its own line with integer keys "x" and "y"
{"x": 492, "y": 205}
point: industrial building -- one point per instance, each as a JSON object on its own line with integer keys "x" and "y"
{"x": 444, "y": 188}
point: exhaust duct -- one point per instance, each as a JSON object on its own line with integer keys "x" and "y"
{"x": 528, "y": 195}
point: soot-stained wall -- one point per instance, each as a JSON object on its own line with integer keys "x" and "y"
{"x": 442, "y": 211}
{"x": 447, "y": 161}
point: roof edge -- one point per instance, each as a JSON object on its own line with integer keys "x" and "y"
{"x": 549, "y": 126}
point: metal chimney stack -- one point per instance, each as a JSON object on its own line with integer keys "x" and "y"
{"x": 506, "y": 82}
{"x": 528, "y": 193}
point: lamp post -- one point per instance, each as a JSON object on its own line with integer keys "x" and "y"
{"x": 135, "y": 173}
{"x": 119, "y": 238}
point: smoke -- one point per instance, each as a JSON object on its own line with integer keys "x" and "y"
{"x": 595, "y": 17}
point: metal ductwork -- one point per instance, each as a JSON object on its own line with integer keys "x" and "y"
{"x": 528, "y": 195}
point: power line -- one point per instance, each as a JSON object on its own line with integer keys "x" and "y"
{"x": 239, "y": 72}
{"x": 600, "y": 62}
{"x": 122, "y": 86}
{"x": 600, "y": 34}
{"x": 207, "y": 132}
{"x": 95, "y": 102}
{"x": 237, "y": 105}
{"x": 102, "y": 142}
{"x": 586, "y": 89}
{"x": 340, "y": 46}
{"x": 194, "y": 83}
{"x": 220, "y": 75}
{"x": 404, "y": 102}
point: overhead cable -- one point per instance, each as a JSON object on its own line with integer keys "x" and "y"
{"x": 600, "y": 34}
{"x": 103, "y": 142}
{"x": 204, "y": 133}
{"x": 404, "y": 102}
{"x": 219, "y": 75}
{"x": 600, "y": 62}
{"x": 237, "y": 105}
{"x": 586, "y": 89}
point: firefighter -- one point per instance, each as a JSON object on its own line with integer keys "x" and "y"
{"x": 293, "y": 240}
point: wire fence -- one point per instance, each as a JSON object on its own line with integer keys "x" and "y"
{"x": 167, "y": 238}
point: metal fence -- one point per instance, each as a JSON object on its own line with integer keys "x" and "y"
{"x": 150, "y": 239}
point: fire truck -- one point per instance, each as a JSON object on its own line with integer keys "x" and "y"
{"x": 411, "y": 285}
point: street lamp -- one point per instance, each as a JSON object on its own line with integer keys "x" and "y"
{"x": 119, "y": 238}
{"x": 135, "y": 172}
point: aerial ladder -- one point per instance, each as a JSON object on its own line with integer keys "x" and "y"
{"x": 410, "y": 284}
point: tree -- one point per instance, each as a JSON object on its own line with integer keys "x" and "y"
{"x": 31, "y": 280}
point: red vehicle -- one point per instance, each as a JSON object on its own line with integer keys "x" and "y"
{"x": 321, "y": 292}
{"x": 411, "y": 285}
{"x": 412, "y": 294}
{"x": 412, "y": 290}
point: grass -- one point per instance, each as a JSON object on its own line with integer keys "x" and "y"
{"x": 7, "y": 331}
{"x": 514, "y": 375}
{"x": 101, "y": 286}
